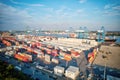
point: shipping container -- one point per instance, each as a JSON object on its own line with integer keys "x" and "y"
{"x": 42, "y": 56}
{"x": 72, "y": 72}
{"x": 73, "y": 35}
{"x": 91, "y": 57}
{"x": 36, "y": 51}
{"x": 29, "y": 49}
{"x": 95, "y": 51}
{"x": 54, "y": 52}
{"x": 42, "y": 48}
{"x": 62, "y": 53}
{"x": 17, "y": 43}
{"x": 47, "y": 58}
{"x": 91, "y": 54}
{"x": 48, "y": 51}
{"x": 54, "y": 60}
{"x": 9, "y": 53}
{"x": 38, "y": 44}
{"x": 29, "y": 57}
{"x": 75, "y": 54}
{"x": 67, "y": 57}
{"x": 50, "y": 46}
{"x": 6, "y": 42}
{"x": 22, "y": 58}
{"x": 58, "y": 70}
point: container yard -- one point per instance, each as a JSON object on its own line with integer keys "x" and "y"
{"x": 60, "y": 39}
{"x": 61, "y": 58}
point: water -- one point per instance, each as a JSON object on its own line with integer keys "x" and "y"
{"x": 55, "y": 35}
{"x": 118, "y": 39}
{"x": 67, "y": 35}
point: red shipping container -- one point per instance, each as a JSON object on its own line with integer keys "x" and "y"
{"x": 54, "y": 52}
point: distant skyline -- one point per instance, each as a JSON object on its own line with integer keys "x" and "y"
{"x": 59, "y": 14}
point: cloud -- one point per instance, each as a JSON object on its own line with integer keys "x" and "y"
{"x": 111, "y": 10}
{"x": 62, "y": 13}
{"x": 61, "y": 10}
{"x": 49, "y": 9}
{"x": 8, "y": 11}
{"x": 83, "y": 1}
{"x": 11, "y": 17}
{"x": 79, "y": 11}
{"x": 112, "y": 6}
{"x": 26, "y": 4}
{"x": 35, "y": 5}
{"x": 111, "y": 13}
{"x": 48, "y": 16}
{"x": 116, "y": 8}
{"x": 97, "y": 11}
{"x": 107, "y": 6}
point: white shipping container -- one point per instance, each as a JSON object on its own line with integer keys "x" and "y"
{"x": 72, "y": 72}
{"x": 47, "y": 58}
{"x": 55, "y": 60}
{"x": 58, "y": 70}
{"x": 9, "y": 48}
{"x": 9, "y": 53}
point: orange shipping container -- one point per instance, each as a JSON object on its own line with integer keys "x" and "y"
{"x": 29, "y": 57}
{"x": 91, "y": 59}
{"x": 29, "y": 49}
{"x": 67, "y": 57}
{"x": 22, "y": 58}
{"x": 95, "y": 51}
{"x": 8, "y": 44}
{"x": 91, "y": 54}
{"x": 26, "y": 56}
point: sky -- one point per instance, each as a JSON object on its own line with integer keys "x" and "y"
{"x": 59, "y": 14}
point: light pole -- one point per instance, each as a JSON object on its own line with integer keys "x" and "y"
{"x": 33, "y": 72}
{"x": 104, "y": 57}
{"x": 105, "y": 70}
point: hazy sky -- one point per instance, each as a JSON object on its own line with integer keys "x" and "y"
{"x": 59, "y": 14}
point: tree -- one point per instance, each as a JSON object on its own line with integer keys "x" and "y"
{"x": 10, "y": 67}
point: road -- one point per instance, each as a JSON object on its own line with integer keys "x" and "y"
{"x": 27, "y": 68}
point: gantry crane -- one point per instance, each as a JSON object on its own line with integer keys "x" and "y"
{"x": 101, "y": 34}
{"x": 82, "y": 33}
